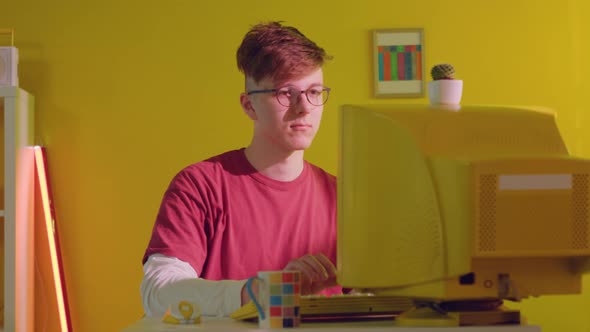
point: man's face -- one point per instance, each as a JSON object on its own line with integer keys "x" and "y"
{"x": 286, "y": 128}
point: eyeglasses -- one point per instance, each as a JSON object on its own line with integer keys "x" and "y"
{"x": 287, "y": 96}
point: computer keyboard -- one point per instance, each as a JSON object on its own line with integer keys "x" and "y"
{"x": 318, "y": 307}
{"x": 353, "y": 303}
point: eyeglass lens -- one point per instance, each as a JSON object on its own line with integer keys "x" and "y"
{"x": 316, "y": 96}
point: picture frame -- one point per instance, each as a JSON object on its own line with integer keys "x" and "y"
{"x": 398, "y": 63}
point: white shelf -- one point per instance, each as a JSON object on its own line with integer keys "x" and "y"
{"x": 9, "y": 91}
{"x": 17, "y": 106}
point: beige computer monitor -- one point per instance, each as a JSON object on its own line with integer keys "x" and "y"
{"x": 485, "y": 202}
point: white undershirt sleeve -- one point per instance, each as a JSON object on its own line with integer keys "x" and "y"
{"x": 168, "y": 280}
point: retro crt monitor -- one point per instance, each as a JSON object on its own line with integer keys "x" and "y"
{"x": 485, "y": 202}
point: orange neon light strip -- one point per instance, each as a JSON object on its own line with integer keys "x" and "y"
{"x": 48, "y": 218}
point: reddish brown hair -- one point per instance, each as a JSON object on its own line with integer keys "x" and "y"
{"x": 279, "y": 52}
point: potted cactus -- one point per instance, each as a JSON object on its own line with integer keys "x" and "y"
{"x": 444, "y": 90}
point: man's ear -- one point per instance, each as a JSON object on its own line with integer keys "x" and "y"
{"x": 247, "y": 106}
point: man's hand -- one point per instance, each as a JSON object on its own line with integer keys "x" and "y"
{"x": 317, "y": 272}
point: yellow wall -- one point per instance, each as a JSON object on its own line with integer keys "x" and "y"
{"x": 129, "y": 92}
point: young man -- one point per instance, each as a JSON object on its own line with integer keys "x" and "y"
{"x": 259, "y": 208}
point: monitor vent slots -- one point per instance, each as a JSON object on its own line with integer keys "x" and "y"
{"x": 518, "y": 222}
{"x": 487, "y": 212}
{"x": 580, "y": 212}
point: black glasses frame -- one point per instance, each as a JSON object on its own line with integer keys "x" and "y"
{"x": 297, "y": 95}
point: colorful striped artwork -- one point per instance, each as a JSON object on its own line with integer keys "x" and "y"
{"x": 400, "y": 62}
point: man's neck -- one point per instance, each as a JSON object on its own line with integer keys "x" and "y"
{"x": 275, "y": 164}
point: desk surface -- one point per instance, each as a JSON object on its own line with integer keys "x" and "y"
{"x": 230, "y": 325}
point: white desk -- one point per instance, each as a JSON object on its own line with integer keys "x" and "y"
{"x": 230, "y": 325}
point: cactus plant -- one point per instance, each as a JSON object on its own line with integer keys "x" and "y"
{"x": 443, "y": 71}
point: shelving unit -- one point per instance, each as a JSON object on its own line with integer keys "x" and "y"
{"x": 17, "y": 210}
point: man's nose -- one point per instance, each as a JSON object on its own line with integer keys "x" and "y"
{"x": 303, "y": 105}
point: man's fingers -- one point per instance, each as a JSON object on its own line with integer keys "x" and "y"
{"x": 326, "y": 264}
{"x": 317, "y": 272}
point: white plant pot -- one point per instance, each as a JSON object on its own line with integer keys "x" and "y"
{"x": 445, "y": 93}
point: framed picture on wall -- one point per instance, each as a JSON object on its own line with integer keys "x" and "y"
{"x": 398, "y": 62}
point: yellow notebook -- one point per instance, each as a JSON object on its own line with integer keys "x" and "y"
{"x": 319, "y": 307}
